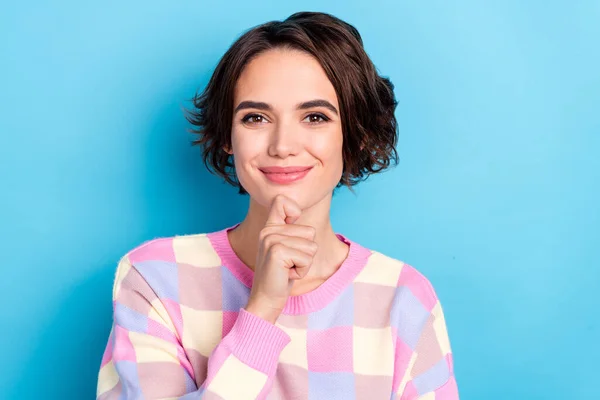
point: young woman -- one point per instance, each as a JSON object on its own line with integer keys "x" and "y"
{"x": 279, "y": 306}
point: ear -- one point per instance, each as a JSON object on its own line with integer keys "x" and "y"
{"x": 227, "y": 150}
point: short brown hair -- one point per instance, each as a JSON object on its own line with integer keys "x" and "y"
{"x": 366, "y": 99}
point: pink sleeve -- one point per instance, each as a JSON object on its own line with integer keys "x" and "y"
{"x": 430, "y": 371}
{"x": 144, "y": 357}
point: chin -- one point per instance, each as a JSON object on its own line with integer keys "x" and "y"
{"x": 298, "y": 194}
{"x": 304, "y": 196}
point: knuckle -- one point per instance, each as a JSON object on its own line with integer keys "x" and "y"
{"x": 266, "y": 231}
{"x": 263, "y": 234}
{"x": 309, "y": 260}
{"x": 277, "y": 249}
{"x": 303, "y": 259}
{"x": 270, "y": 241}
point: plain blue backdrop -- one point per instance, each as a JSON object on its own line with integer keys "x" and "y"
{"x": 496, "y": 197}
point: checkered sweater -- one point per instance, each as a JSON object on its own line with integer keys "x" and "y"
{"x": 374, "y": 330}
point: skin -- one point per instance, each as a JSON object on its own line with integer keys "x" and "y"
{"x": 286, "y": 236}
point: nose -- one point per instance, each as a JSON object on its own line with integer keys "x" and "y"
{"x": 285, "y": 140}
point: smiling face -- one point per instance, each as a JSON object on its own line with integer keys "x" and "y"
{"x": 286, "y": 114}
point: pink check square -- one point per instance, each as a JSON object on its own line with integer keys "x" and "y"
{"x": 338, "y": 342}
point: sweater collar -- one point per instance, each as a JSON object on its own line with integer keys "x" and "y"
{"x": 304, "y": 303}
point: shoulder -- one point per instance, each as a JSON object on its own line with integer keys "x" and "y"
{"x": 193, "y": 249}
{"x": 409, "y": 297}
{"x": 159, "y": 261}
{"x": 410, "y": 284}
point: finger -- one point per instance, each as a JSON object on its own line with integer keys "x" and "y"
{"x": 283, "y": 211}
{"x": 290, "y": 257}
{"x": 297, "y": 272}
{"x": 299, "y": 243}
{"x": 304, "y": 231}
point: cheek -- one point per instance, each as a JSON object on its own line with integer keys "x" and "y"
{"x": 244, "y": 147}
{"x": 329, "y": 150}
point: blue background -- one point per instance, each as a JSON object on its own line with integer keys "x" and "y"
{"x": 496, "y": 198}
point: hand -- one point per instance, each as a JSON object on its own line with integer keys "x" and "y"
{"x": 285, "y": 254}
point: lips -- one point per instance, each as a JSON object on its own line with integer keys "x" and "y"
{"x": 285, "y": 175}
{"x": 283, "y": 170}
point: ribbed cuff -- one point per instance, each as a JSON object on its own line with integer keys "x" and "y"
{"x": 256, "y": 342}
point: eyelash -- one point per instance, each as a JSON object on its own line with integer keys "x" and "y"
{"x": 324, "y": 119}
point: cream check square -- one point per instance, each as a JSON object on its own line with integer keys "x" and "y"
{"x": 439, "y": 326}
{"x": 202, "y": 330}
{"x": 248, "y": 385}
{"x": 295, "y": 353}
{"x": 107, "y": 378}
{"x": 381, "y": 270}
{"x": 152, "y": 349}
{"x": 373, "y": 351}
{"x": 122, "y": 269}
{"x": 195, "y": 250}
{"x": 159, "y": 313}
{"x": 407, "y": 374}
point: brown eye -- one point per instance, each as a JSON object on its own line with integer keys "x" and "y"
{"x": 316, "y": 118}
{"x": 253, "y": 119}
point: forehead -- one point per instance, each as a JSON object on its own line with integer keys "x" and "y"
{"x": 284, "y": 77}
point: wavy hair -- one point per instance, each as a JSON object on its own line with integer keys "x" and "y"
{"x": 366, "y": 99}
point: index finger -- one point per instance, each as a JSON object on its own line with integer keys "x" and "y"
{"x": 283, "y": 211}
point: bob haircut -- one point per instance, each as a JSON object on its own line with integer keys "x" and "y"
{"x": 366, "y": 99}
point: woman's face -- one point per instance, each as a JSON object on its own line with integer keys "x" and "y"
{"x": 286, "y": 114}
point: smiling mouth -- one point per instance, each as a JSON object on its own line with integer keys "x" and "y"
{"x": 285, "y": 175}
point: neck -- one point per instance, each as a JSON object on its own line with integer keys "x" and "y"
{"x": 331, "y": 251}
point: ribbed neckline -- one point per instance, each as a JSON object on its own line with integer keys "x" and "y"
{"x": 307, "y": 302}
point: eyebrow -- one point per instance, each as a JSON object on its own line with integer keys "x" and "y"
{"x": 302, "y": 106}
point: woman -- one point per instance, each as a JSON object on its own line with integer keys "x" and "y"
{"x": 279, "y": 306}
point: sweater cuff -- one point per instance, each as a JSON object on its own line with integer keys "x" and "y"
{"x": 256, "y": 342}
